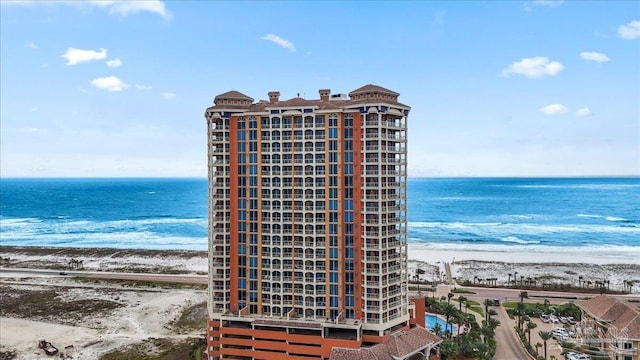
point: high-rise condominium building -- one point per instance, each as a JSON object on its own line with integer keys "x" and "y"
{"x": 307, "y": 223}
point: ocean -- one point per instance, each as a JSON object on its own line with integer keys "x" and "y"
{"x": 513, "y": 214}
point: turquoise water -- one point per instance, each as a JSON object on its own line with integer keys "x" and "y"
{"x": 467, "y": 213}
{"x": 432, "y": 320}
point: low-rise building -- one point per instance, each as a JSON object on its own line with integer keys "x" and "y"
{"x": 612, "y": 325}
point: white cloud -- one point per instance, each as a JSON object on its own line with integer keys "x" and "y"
{"x": 143, "y": 87}
{"x": 280, "y": 42}
{"x": 114, "y": 63}
{"x": 583, "y": 112}
{"x": 133, "y": 6}
{"x": 535, "y": 67}
{"x": 169, "y": 96}
{"x": 554, "y": 109}
{"x": 548, "y": 3}
{"x": 594, "y": 56}
{"x": 32, "y": 45}
{"x": 630, "y": 31}
{"x": 551, "y": 3}
{"x": 75, "y": 56}
{"x": 120, "y": 7}
{"x": 110, "y": 83}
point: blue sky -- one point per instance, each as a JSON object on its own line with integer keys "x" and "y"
{"x": 506, "y": 88}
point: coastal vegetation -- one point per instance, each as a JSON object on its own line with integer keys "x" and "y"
{"x": 160, "y": 349}
{"x": 472, "y": 339}
{"x": 55, "y": 304}
{"x": 569, "y": 282}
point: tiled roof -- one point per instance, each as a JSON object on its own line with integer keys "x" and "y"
{"x": 234, "y": 95}
{"x": 599, "y": 306}
{"x": 619, "y": 314}
{"x": 370, "y": 101}
{"x": 300, "y": 102}
{"x": 399, "y": 345}
{"x": 373, "y": 88}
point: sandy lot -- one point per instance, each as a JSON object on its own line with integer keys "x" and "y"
{"x": 86, "y": 318}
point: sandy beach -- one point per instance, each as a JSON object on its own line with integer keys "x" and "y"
{"x": 552, "y": 265}
{"x": 124, "y": 313}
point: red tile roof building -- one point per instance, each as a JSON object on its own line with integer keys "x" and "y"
{"x": 612, "y": 325}
{"x": 307, "y": 223}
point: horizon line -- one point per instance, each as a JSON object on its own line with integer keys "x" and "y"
{"x": 409, "y": 177}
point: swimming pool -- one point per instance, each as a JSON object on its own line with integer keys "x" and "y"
{"x": 432, "y": 320}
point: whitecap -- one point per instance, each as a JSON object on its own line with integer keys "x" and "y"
{"x": 613, "y": 218}
{"x": 516, "y": 240}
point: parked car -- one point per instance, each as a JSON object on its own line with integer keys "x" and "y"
{"x": 560, "y": 334}
{"x": 563, "y": 319}
{"x": 571, "y": 320}
{"x": 578, "y": 356}
{"x": 553, "y": 318}
{"x": 544, "y": 318}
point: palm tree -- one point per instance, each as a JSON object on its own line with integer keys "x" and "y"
{"x": 487, "y": 303}
{"x": 492, "y": 313}
{"x": 545, "y": 335}
{"x": 520, "y": 312}
{"x": 449, "y": 296}
{"x": 523, "y": 295}
{"x": 538, "y": 346}
{"x": 493, "y": 323}
{"x": 530, "y": 326}
{"x": 580, "y": 280}
{"x": 437, "y": 329}
{"x": 459, "y": 320}
{"x": 486, "y": 332}
{"x": 509, "y": 281}
{"x": 461, "y": 299}
{"x": 449, "y": 311}
{"x": 448, "y": 348}
{"x": 419, "y": 272}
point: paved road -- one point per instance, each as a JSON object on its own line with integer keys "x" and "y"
{"x": 508, "y": 346}
{"x": 184, "y": 279}
{"x": 555, "y": 297}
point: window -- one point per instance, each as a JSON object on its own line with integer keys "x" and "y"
{"x": 348, "y": 120}
{"x": 333, "y": 119}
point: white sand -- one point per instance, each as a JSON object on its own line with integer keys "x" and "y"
{"x": 147, "y": 313}
{"x": 555, "y": 265}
